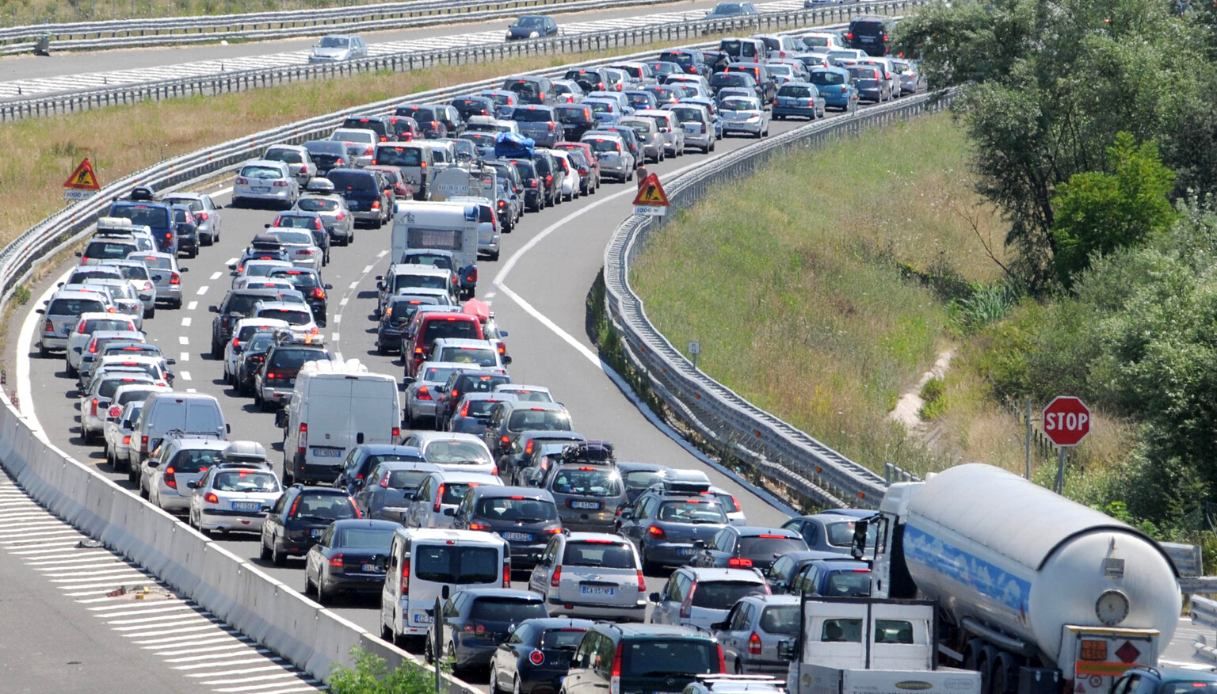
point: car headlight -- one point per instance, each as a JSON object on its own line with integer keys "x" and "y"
{"x": 533, "y": 35}
{"x": 509, "y": 35}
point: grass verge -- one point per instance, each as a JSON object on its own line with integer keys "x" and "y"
{"x": 819, "y": 288}
{"x": 20, "y": 12}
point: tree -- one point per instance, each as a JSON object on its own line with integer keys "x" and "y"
{"x": 1099, "y": 212}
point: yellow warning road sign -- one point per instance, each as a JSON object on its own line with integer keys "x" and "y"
{"x": 650, "y": 193}
{"x": 83, "y": 177}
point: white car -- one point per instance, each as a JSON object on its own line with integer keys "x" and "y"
{"x": 696, "y": 122}
{"x": 82, "y": 333}
{"x": 122, "y": 297}
{"x": 118, "y": 433}
{"x": 140, "y": 277}
{"x": 671, "y": 132}
{"x": 297, "y": 158}
{"x": 743, "y": 114}
{"x": 167, "y": 474}
{"x": 571, "y": 181}
{"x": 523, "y": 391}
{"x": 233, "y": 497}
{"x": 338, "y": 48}
{"x": 454, "y": 451}
{"x": 591, "y": 576}
{"x": 440, "y": 493}
{"x": 301, "y": 249}
{"x": 95, "y": 402}
{"x": 242, "y": 332}
{"x": 265, "y": 181}
{"x": 360, "y": 144}
{"x": 298, "y": 317}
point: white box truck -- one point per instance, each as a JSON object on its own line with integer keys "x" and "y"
{"x": 447, "y": 226}
{"x": 334, "y": 407}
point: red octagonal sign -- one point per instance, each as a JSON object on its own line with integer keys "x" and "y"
{"x": 1066, "y": 420}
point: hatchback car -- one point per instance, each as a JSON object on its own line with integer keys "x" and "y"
{"x": 838, "y": 576}
{"x": 747, "y": 547}
{"x": 642, "y": 658}
{"x": 351, "y": 557}
{"x": 664, "y": 527}
{"x": 473, "y": 412}
{"x": 830, "y": 532}
{"x": 743, "y": 114}
{"x": 338, "y": 48}
{"x": 587, "y": 495}
{"x": 592, "y": 575}
{"x": 299, "y": 517}
{"x": 264, "y": 181}
{"x": 752, "y": 630}
{"x": 798, "y": 99}
{"x": 232, "y": 498}
{"x": 208, "y": 216}
{"x": 390, "y": 485}
{"x": 697, "y": 125}
{"x": 360, "y": 460}
{"x": 536, "y": 655}
{"x": 477, "y": 620}
{"x": 836, "y": 86}
{"x": 434, "y": 504}
{"x": 420, "y": 395}
{"x": 526, "y": 518}
{"x": 177, "y": 463}
{"x": 699, "y": 597}
{"x": 532, "y": 27}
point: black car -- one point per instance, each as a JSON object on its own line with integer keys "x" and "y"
{"x": 326, "y": 154}
{"x": 477, "y": 620}
{"x": 589, "y": 79}
{"x": 537, "y": 655}
{"x": 237, "y": 304}
{"x": 459, "y": 383}
{"x": 576, "y": 119}
{"x": 395, "y": 317}
{"x": 746, "y": 547}
{"x": 298, "y": 519}
{"x": 473, "y": 105}
{"x": 362, "y": 458}
{"x": 527, "y": 518}
{"x": 520, "y": 452}
{"x": 532, "y": 26}
{"x": 283, "y": 362}
{"x": 643, "y": 657}
{"x": 253, "y": 355}
{"x": 639, "y": 477}
{"x": 374, "y": 123}
{"x": 349, "y": 557}
{"x": 310, "y": 285}
{"x": 729, "y": 10}
{"x": 870, "y": 34}
{"x": 547, "y": 176}
{"x": 187, "y": 229}
{"x": 365, "y": 194}
{"x": 692, "y": 60}
{"x": 534, "y": 197}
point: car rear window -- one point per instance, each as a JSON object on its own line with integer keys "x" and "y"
{"x": 260, "y": 172}
{"x": 295, "y": 238}
{"x": 134, "y": 272}
{"x": 519, "y": 509}
{"x": 781, "y": 619}
{"x": 324, "y": 507}
{"x": 405, "y": 479}
{"x": 301, "y": 279}
{"x": 436, "y": 374}
{"x": 146, "y": 215}
{"x": 317, "y": 204}
{"x": 605, "y": 553}
{"x": 288, "y": 315}
{"x": 295, "y": 358}
{"x": 762, "y": 547}
{"x": 245, "y": 481}
{"x": 562, "y": 639}
{"x": 456, "y": 565}
{"x": 377, "y": 539}
{"x": 288, "y": 156}
{"x": 96, "y": 324}
{"x": 353, "y": 181}
{"x": 374, "y": 124}
{"x": 721, "y": 595}
{"x": 870, "y": 28}
{"x": 679, "y": 655}
{"x": 691, "y": 511}
{"x": 454, "y": 329}
{"x": 538, "y": 419}
{"x": 196, "y": 460}
{"x": 791, "y": 90}
{"x": 455, "y": 492}
{"x": 826, "y": 77}
{"x": 495, "y": 609}
{"x": 642, "y": 479}
{"x": 481, "y": 356}
{"x": 451, "y": 452}
{"x": 108, "y": 386}
{"x": 399, "y": 156}
{"x": 848, "y": 583}
{"x": 478, "y": 408}
{"x": 109, "y": 250}
{"x": 74, "y": 307}
{"x": 401, "y": 282}
{"x": 532, "y": 115}
{"x": 586, "y": 481}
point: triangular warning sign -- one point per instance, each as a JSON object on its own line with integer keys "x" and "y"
{"x": 83, "y": 177}
{"x": 650, "y": 193}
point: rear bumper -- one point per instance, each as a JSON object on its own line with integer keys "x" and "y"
{"x": 669, "y": 554}
{"x": 215, "y": 519}
{"x": 585, "y": 610}
{"x": 796, "y": 111}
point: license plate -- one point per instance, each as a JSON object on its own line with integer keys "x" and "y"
{"x": 422, "y": 618}
{"x": 371, "y": 569}
{"x": 315, "y": 532}
{"x": 867, "y": 39}
{"x": 606, "y": 591}
{"x": 326, "y": 452}
{"x": 684, "y": 551}
{"x": 517, "y": 537}
{"x": 260, "y": 189}
{"x": 691, "y": 128}
{"x": 586, "y": 505}
{"x": 246, "y": 506}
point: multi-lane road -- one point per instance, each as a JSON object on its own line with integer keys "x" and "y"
{"x": 28, "y": 76}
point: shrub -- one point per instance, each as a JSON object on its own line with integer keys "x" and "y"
{"x": 934, "y": 397}
{"x": 372, "y": 676}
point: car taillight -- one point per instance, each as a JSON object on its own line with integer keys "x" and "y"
{"x": 686, "y": 607}
{"x": 405, "y": 576}
{"x": 556, "y": 579}
{"x": 615, "y": 672}
{"x": 236, "y": 342}
{"x": 424, "y": 393}
{"x": 336, "y": 561}
{"x": 340, "y": 216}
{"x": 170, "y": 477}
{"x": 656, "y": 532}
{"x": 549, "y": 178}
{"x": 126, "y": 439}
{"x": 536, "y": 657}
{"x": 849, "y": 36}
{"x": 202, "y": 216}
{"x": 367, "y": 150}
{"x": 93, "y": 409}
{"x": 48, "y": 327}
{"x": 93, "y": 346}
{"x": 115, "y": 411}
{"x": 507, "y": 574}
{"x": 754, "y": 644}
{"x": 885, "y": 38}
{"x": 552, "y": 126}
{"x": 148, "y": 285}
{"x": 376, "y": 204}
{"x": 302, "y": 443}
{"x": 211, "y": 498}
{"x": 642, "y": 582}
{"x": 395, "y": 432}
{"x": 340, "y": 162}
{"x": 474, "y": 525}
{"x": 241, "y": 180}
{"x": 739, "y": 563}
{"x": 143, "y": 444}
{"x": 318, "y": 293}
{"x": 502, "y": 203}
{"x": 583, "y": 170}
{"x": 504, "y": 440}
{"x": 175, "y": 279}
{"x": 439, "y": 495}
{"x": 532, "y": 183}
{"x": 271, "y": 375}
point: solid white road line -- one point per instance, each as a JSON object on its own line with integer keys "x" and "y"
{"x": 25, "y": 342}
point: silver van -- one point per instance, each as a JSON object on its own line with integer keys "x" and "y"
{"x": 61, "y": 314}
{"x": 188, "y": 413}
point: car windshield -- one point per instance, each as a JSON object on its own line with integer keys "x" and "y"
{"x": 766, "y": 548}
{"x": 721, "y": 595}
{"x": 245, "y": 481}
{"x": 531, "y": 22}
{"x": 827, "y": 77}
{"x": 781, "y": 619}
{"x": 456, "y": 565}
{"x": 604, "y": 553}
{"x": 854, "y": 582}
{"x": 376, "y": 539}
{"x": 679, "y": 656}
{"x": 586, "y": 481}
{"x": 195, "y": 460}
{"x": 442, "y": 452}
{"x": 470, "y": 355}
{"x": 691, "y": 511}
{"x": 538, "y": 419}
{"x": 507, "y": 609}
{"x": 335, "y": 42}
{"x": 260, "y": 172}
{"x": 519, "y": 509}
{"x": 324, "y": 507}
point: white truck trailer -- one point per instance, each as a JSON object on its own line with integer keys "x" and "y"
{"x": 1039, "y": 594}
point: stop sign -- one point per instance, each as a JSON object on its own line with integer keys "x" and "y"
{"x": 1066, "y": 420}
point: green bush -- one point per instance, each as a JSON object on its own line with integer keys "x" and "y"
{"x": 372, "y": 676}
{"x": 934, "y": 395}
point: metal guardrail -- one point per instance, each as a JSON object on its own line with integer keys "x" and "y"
{"x": 761, "y": 440}
{"x": 228, "y": 82}
{"x": 264, "y": 25}
{"x": 147, "y": 33}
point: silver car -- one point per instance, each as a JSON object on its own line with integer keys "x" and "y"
{"x": 420, "y": 394}
{"x": 169, "y": 474}
{"x": 118, "y": 434}
{"x": 137, "y": 273}
{"x": 752, "y": 630}
{"x": 911, "y": 79}
{"x": 743, "y": 114}
{"x": 613, "y": 154}
{"x": 122, "y": 297}
{"x": 654, "y": 147}
{"x": 699, "y": 597}
{"x": 337, "y": 48}
{"x": 587, "y": 495}
{"x": 334, "y": 213}
{"x": 61, "y": 314}
{"x": 301, "y": 249}
{"x": 695, "y": 120}
{"x": 82, "y": 334}
{"x": 591, "y": 575}
{"x": 265, "y": 181}
{"x": 166, "y": 275}
{"x": 360, "y": 144}
{"x": 489, "y": 230}
{"x": 95, "y": 402}
{"x": 297, "y": 158}
{"x": 673, "y": 135}
{"x": 206, "y": 214}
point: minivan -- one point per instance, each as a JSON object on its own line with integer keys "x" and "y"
{"x": 430, "y": 326}
{"x": 743, "y": 49}
{"x": 532, "y": 89}
{"x": 157, "y": 216}
{"x": 871, "y": 34}
{"x": 335, "y": 406}
{"x": 364, "y": 192}
{"x": 61, "y": 315}
{"x": 425, "y": 564}
{"x": 190, "y": 413}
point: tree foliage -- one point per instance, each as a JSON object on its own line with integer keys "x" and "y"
{"x": 371, "y": 675}
{"x": 1048, "y": 84}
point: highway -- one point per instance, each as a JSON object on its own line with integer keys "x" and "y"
{"x": 26, "y": 76}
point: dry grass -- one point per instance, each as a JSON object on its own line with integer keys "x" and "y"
{"x": 792, "y": 280}
{"x": 15, "y": 12}
{"x": 122, "y": 140}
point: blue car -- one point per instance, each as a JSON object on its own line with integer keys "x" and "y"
{"x": 836, "y": 86}
{"x": 798, "y": 99}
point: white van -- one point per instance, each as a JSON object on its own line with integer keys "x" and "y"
{"x": 335, "y": 406}
{"x": 189, "y": 413}
{"x": 423, "y": 562}
{"x": 445, "y": 226}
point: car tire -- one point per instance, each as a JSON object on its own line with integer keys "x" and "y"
{"x": 276, "y": 557}
{"x": 263, "y": 552}
{"x": 494, "y": 256}
{"x": 150, "y": 313}
{"x": 217, "y": 350}
{"x": 177, "y": 303}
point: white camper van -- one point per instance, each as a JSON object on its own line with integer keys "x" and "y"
{"x": 447, "y": 226}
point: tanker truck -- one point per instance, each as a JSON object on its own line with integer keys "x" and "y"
{"x": 1039, "y": 594}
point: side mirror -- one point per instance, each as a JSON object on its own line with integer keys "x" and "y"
{"x": 78, "y": 254}
{"x": 718, "y": 626}
{"x": 449, "y": 512}
{"x": 171, "y": 361}
{"x": 76, "y": 350}
{"x": 227, "y": 428}
{"x": 445, "y": 591}
{"x": 213, "y": 309}
{"x": 654, "y": 597}
{"x": 41, "y": 311}
{"x": 266, "y": 226}
{"x": 183, "y": 269}
{"x": 154, "y": 463}
{"x": 329, "y": 286}
{"x": 193, "y": 484}
{"x": 506, "y": 358}
{"x": 699, "y": 544}
{"x": 627, "y": 515}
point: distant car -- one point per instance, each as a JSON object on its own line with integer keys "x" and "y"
{"x": 297, "y": 159}
{"x": 588, "y": 495}
{"x": 753, "y": 547}
{"x": 752, "y": 630}
{"x": 477, "y": 620}
{"x": 639, "y": 477}
{"x": 911, "y": 79}
{"x": 614, "y": 157}
{"x": 697, "y": 123}
{"x": 727, "y": 10}
{"x": 532, "y": 27}
{"x": 262, "y": 181}
{"x": 664, "y": 526}
{"x": 177, "y": 464}
{"x": 233, "y": 497}
{"x": 870, "y": 33}
{"x": 473, "y": 412}
{"x": 537, "y": 655}
{"x": 831, "y": 532}
{"x": 836, "y": 86}
{"x": 836, "y": 577}
{"x": 744, "y": 115}
{"x": 337, "y": 48}
{"x": 299, "y": 517}
{"x": 390, "y": 485}
{"x": 207, "y": 214}
{"x": 1151, "y": 680}
{"x": 362, "y": 458}
{"x": 351, "y": 556}
{"x": 870, "y": 83}
{"x": 526, "y": 518}
{"x": 798, "y": 99}
{"x": 699, "y": 596}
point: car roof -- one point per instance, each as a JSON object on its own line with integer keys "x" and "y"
{"x": 462, "y": 341}
{"x": 409, "y": 465}
{"x": 419, "y": 269}
{"x": 709, "y": 573}
{"x": 365, "y": 523}
{"x": 758, "y": 530}
{"x": 503, "y": 593}
{"x": 433, "y": 436}
{"x": 379, "y": 448}
{"x": 462, "y": 476}
{"x": 603, "y": 537}
{"x": 198, "y": 442}
{"x": 281, "y": 306}
{"x": 526, "y": 492}
{"x": 74, "y": 294}
{"x": 559, "y": 622}
{"x": 654, "y": 630}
